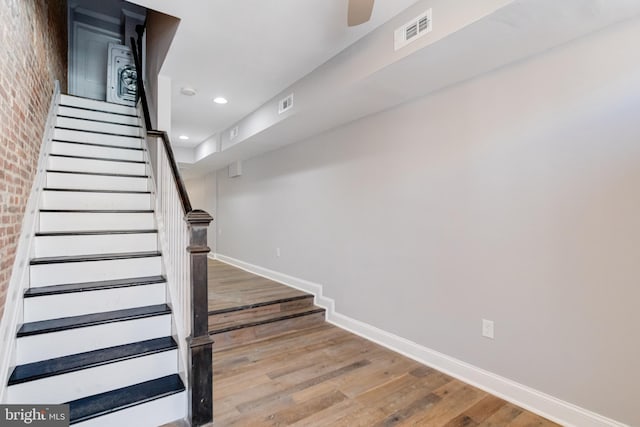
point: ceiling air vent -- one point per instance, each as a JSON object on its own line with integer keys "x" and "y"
{"x": 412, "y": 30}
{"x": 285, "y": 104}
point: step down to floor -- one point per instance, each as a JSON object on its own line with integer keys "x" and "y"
{"x": 96, "y": 257}
{"x": 65, "y": 323}
{"x": 247, "y": 312}
{"x": 105, "y": 403}
{"x": 91, "y": 286}
{"x": 62, "y": 365}
{"x": 250, "y": 327}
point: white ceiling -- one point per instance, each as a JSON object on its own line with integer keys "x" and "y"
{"x": 368, "y": 78}
{"x": 248, "y": 51}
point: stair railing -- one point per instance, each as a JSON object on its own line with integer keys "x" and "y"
{"x": 183, "y": 239}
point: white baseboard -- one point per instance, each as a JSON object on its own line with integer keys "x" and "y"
{"x": 550, "y": 407}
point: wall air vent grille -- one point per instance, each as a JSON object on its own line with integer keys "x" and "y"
{"x": 285, "y": 104}
{"x": 413, "y": 30}
{"x": 423, "y": 24}
{"x": 233, "y": 133}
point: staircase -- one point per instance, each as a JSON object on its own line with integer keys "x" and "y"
{"x": 97, "y": 330}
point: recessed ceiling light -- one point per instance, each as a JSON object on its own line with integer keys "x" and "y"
{"x": 183, "y": 137}
{"x": 188, "y": 91}
{"x": 220, "y": 100}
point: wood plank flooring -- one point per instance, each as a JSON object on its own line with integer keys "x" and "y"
{"x": 244, "y": 307}
{"x": 325, "y": 376}
{"x": 230, "y": 287}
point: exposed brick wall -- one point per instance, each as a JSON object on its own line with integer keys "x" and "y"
{"x": 33, "y": 54}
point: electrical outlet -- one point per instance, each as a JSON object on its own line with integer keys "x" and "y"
{"x": 277, "y": 252}
{"x": 487, "y": 328}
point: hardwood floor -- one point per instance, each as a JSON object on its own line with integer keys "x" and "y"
{"x": 325, "y": 376}
{"x": 230, "y": 287}
{"x": 244, "y": 307}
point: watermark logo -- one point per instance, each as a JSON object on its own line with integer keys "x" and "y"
{"x": 34, "y": 415}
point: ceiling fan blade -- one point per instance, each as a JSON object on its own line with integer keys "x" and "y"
{"x": 359, "y": 12}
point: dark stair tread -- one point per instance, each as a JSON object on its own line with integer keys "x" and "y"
{"x": 232, "y": 325}
{"x": 92, "y": 286}
{"x": 106, "y": 159}
{"x": 88, "y": 190}
{"x": 96, "y": 110}
{"x": 259, "y": 304}
{"x": 98, "y": 210}
{"x": 76, "y": 362}
{"x": 124, "y": 175}
{"x": 64, "y": 116}
{"x": 64, "y": 323}
{"x": 98, "y": 132}
{"x": 95, "y": 257}
{"x": 93, "y": 232}
{"x": 104, "y": 403}
{"x": 96, "y": 144}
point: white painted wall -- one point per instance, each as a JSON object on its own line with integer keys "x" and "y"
{"x": 160, "y": 30}
{"x": 202, "y": 193}
{"x": 511, "y": 197}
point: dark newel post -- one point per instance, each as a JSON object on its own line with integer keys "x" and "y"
{"x": 200, "y": 369}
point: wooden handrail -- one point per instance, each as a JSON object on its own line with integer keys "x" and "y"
{"x": 141, "y": 95}
{"x": 199, "y": 369}
{"x": 182, "y": 191}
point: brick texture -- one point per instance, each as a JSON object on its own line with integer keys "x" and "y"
{"x": 33, "y": 54}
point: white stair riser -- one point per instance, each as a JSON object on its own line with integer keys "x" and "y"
{"x": 47, "y": 246}
{"x": 71, "y": 341}
{"x": 96, "y": 182}
{"x": 79, "y": 303}
{"x": 99, "y": 379}
{"x": 73, "y": 149}
{"x": 151, "y": 414}
{"x": 74, "y": 221}
{"x": 99, "y": 166}
{"x": 96, "y": 105}
{"x": 89, "y": 125}
{"x": 96, "y": 138}
{"x": 92, "y": 271}
{"x": 97, "y": 115}
{"x": 87, "y": 200}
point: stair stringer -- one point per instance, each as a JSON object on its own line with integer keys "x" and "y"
{"x": 12, "y": 315}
